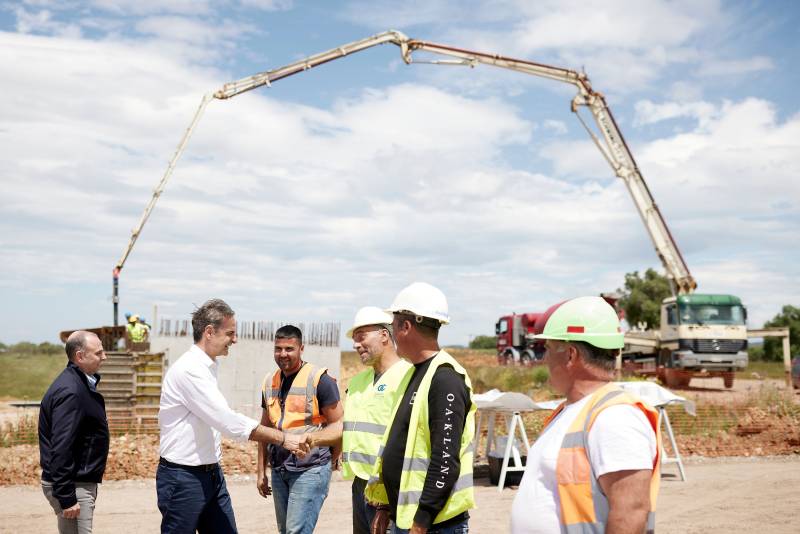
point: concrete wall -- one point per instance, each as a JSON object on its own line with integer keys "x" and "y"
{"x": 242, "y": 372}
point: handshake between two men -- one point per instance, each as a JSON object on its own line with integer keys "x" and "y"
{"x": 300, "y": 445}
{"x": 297, "y": 448}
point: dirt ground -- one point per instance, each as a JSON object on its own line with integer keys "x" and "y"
{"x": 721, "y": 495}
{"x": 713, "y": 390}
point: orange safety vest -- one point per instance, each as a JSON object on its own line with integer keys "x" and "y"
{"x": 584, "y": 507}
{"x": 300, "y": 411}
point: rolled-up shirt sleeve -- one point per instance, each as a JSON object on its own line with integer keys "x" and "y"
{"x": 202, "y": 397}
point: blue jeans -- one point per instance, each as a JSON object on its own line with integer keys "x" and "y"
{"x": 298, "y": 497}
{"x": 193, "y": 499}
{"x": 460, "y": 528}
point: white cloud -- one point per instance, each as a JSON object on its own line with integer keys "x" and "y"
{"x": 308, "y": 211}
{"x": 719, "y": 67}
{"x": 727, "y": 181}
{"x": 151, "y": 7}
{"x": 617, "y": 25}
{"x": 197, "y": 30}
{"x": 648, "y": 112}
{"x": 554, "y": 127}
{"x": 43, "y": 22}
{"x": 281, "y": 199}
{"x": 193, "y": 31}
{"x": 269, "y": 5}
{"x": 384, "y": 14}
{"x": 684, "y": 91}
{"x": 625, "y": 45}
{"x": 572, "y": 159}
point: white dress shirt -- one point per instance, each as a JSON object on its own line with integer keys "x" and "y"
{"x": 193, "y": 413}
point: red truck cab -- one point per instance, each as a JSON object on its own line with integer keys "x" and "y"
{"x": 515, "y": 343}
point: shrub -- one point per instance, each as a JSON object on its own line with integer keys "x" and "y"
{"x": 483, "y": 342}
{"x": 540, "y": 375}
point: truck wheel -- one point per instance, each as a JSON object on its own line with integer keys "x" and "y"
{"x": 677, "y": 378}
{"x": 727, "y": 379}
{"x": 526, "y": 358}
{"x": 661, "y": 374}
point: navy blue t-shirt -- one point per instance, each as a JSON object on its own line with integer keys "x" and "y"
{"x": 327, "y": 395}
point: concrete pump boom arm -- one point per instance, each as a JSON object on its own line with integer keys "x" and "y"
{"x": 614, "y": 149}
{"x": 238, "y": 87}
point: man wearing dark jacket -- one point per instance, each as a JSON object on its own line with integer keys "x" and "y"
{"x": 73, "y": 435}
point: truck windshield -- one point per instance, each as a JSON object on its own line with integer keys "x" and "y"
{"x": 711, "y": 314}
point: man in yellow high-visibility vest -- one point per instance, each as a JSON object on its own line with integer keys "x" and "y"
{"x": 371, "y": 397}
{"x": 137, "y": 332}
{"x": 423, "y": 479}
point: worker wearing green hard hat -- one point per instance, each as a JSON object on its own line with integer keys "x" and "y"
{"x": 588, "y": 319}
{"x": 595, "y": 465}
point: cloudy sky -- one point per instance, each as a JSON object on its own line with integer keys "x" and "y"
{"x": 335, "y": 188}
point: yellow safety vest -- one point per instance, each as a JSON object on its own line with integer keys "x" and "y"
{"x": 367, "y": 411}
{"x": 584, "y": 507}
{"x": 137, "y": 332}
{"x": 418, "y": 452}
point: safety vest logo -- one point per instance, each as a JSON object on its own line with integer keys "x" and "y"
{"x": 382, "y": 387}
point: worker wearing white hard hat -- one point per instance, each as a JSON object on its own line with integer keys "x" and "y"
{"x": 371, "y": 397}
{"x": 595, "y": 466}
{"x": 423, "y": 479}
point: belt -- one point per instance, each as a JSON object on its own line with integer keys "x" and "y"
{"x": 205, "y": 467}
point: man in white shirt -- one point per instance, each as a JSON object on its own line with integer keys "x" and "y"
{"x": 595, "y": 467}
{"x": 192, "y": 416}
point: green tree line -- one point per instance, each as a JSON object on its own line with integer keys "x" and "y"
{"x": 26, "y": 347}
{"x": 483, "y": 342}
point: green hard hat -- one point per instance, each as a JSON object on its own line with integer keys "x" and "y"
{"x": 588, "y": 319}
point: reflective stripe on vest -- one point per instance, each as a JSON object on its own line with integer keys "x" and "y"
{"x": 300, "y": 410}
{"x": 367, "y": 412}
{"x": 417, "y": 456}
{"x": 584, "y": 507}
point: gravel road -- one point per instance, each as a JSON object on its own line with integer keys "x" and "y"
{"x": 721, "y": 495}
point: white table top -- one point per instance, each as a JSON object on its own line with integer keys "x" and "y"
{"x": 510, "y": 401}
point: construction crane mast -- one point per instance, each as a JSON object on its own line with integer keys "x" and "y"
{"x": 610, "y": 142}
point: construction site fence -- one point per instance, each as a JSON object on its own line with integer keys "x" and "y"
{"x": 324, "y": 334}
{"x": 766, "y": 426}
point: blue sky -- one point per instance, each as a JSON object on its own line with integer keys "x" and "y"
{"x": 335, "y": 188}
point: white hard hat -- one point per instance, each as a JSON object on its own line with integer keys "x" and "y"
{"x": 422, "y": 300}
{"x": 369, "y": 315}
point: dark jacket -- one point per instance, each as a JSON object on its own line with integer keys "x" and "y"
{"x": 73, "y": 434}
